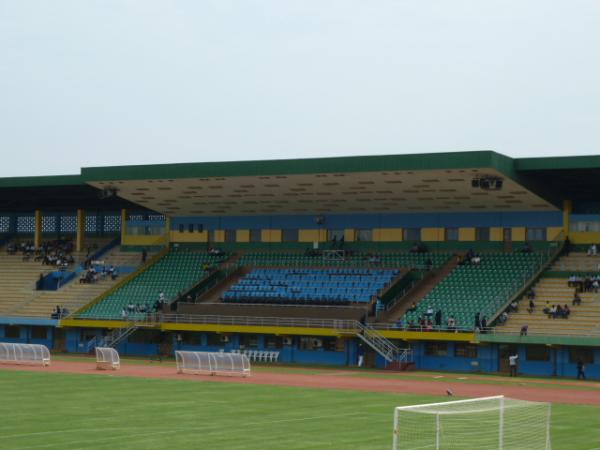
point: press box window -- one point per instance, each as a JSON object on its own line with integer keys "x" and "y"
{"x": 364, "y": 235}
{"x": 482, "y": 234}
{"x": 536, "y": 234}
{"x": 412, "y": 234}
{"x": 452, "y": 234}
{"x": 289, "y": 235}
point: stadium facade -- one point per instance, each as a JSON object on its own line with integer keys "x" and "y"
{"x": 283, "y": 257}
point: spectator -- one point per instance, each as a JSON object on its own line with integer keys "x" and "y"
{"x": 566, "y": 312}
{"x": 524, "y": 329}
{"x": 576, "y": 300}
{"x": 451, "y": 323}
{"x": 514, "y": 306}
{"x": 477, "y": 321}
{"x": 428, "y": 264}
{"x": 531, "y": 294}
{"x": 526, "y": 248}
{"x": 413, "y": 307}
{"x": 546, "y": 309}
{"x": 429, "y": 313}
{"x": 429, "y": 325}
{"x": 503, "y": 317}
{"x": 531, "y": 307}
{"x": 476, "y": 260}
{"x": 592, "y": 250}
{"x": 552, "y": 313}
{"x": 438, "y": 318}
{"x": 558, "y": 312}
{"x": 144, "y": 256}
{"x": 512, "y": 362}
{"x": 483, "y": 325}
{"x": 124, "y": 314}
{"x": 580, "y": 369}
{"x": 572, "y": 281}
{"x": 567, "y": 247}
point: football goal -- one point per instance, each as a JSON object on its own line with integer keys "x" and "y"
{"x": 24, "y": 354}
{"x": 498, "y": 423}
{"x": 212, "y": 363}
{"x": 107, "y": 358}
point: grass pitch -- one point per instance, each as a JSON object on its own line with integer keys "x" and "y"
{"x": 65, "y": 411}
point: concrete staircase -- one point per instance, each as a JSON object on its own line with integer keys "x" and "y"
{"x": 577, "y": 262}
{"x": 73, "y": 295}
{"x": 584, "y": 319}
{"x": 17, "y": 280}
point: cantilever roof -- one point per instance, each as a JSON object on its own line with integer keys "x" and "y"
{"x": 382, "y": 183}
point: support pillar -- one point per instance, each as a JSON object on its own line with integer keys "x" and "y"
{"x": 123, "y": 224}
{"x": 80, "y": 239}
{"x": 37, "y": 234}
{"x": 567, "y": 209}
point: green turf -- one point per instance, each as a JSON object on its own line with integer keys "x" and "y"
{"x": 65, "y": 411}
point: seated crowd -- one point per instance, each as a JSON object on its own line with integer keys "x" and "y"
{"x": 92, "y": 275}
{"x": 59, "y": 313}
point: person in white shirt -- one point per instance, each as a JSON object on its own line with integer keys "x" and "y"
{"x": 512, "y": 362}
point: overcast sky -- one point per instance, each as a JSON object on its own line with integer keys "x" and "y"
{"x": 93, "y": 83}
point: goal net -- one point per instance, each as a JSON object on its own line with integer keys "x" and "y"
{"x": 107, "y": 358}
{"x": 24, "y": 354}
{"x": 212, "y": 363}
{"x": 487, "y": 423}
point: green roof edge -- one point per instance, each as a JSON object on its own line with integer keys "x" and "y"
{"x": 52, "y": 180}
{"x": 346, "y": 164}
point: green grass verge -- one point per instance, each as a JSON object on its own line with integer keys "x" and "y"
{"x": 64, "y": 411}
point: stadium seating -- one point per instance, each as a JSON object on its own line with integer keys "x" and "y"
{"x": 328, "y": 286}
{"x": 17, "y": 281}
{"x": 577, "y": 262}
{"x": 298, "y": 259}
{"x": 173, "y": 273}
{"x": 583, "y": 320}
{"x": 75, "y": 295}
{"x": 471, "y": 289}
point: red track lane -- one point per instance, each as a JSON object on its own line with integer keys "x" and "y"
{"x": 332, "y": 381}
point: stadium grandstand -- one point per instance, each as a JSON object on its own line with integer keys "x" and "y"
{"x": 448, "y": 261}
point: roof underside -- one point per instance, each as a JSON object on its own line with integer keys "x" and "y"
{"x": 355, "y": 192}
{"x": 386, "y": 184}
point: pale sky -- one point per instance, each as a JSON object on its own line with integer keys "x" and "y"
{"x": 115, "y": 82}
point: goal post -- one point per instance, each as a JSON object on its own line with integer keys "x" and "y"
{"x": 11, "y": 353}
{"x": 212, "y": 363}
{"x": 107, "y": 358}
{"x": 487, "y": 423}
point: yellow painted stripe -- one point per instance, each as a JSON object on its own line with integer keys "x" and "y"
{"x": 428, "y": 336}
{"x": 94, "y": 323}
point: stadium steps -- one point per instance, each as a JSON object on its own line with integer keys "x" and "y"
{"x": 419, "y": 291}
{"x": 583, "y": 320}
{"x": 577, "y": 262}
{"x": 18, "y": 279}
{"x": 215, "y": 294}
{"x": 73, "y": 295}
